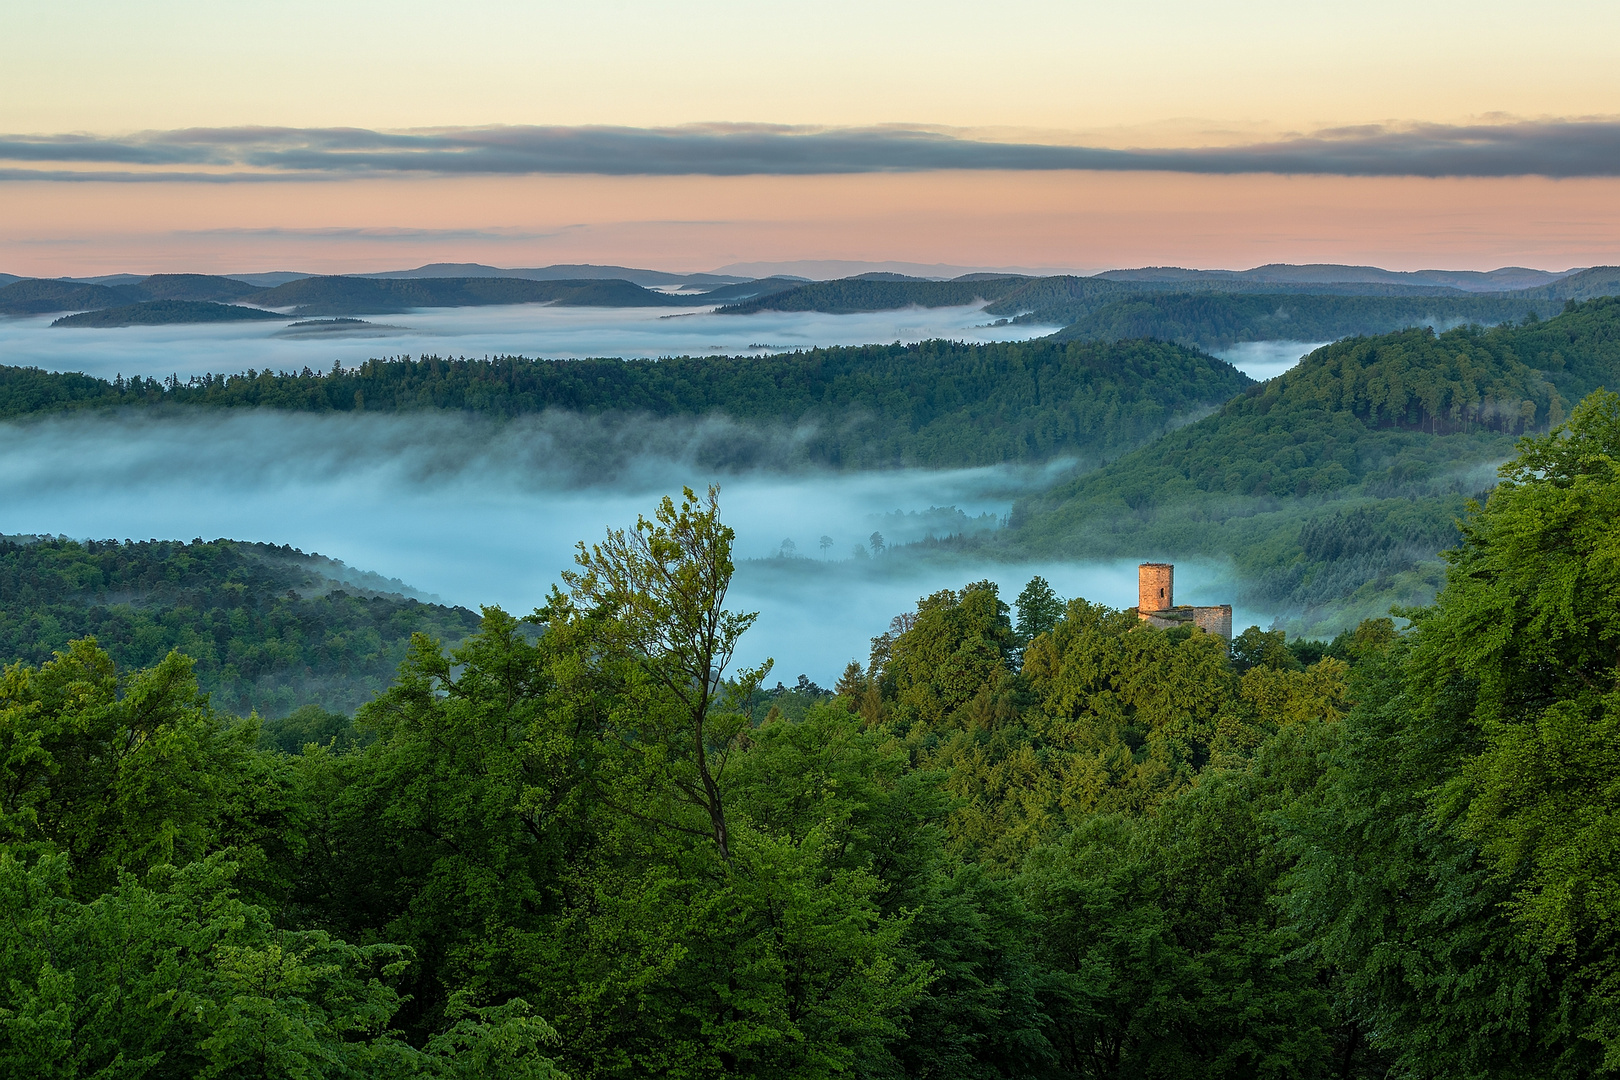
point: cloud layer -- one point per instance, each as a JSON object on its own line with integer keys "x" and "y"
{"x": 1552, "y": 148}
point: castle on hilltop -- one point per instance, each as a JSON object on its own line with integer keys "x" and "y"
{"x": 1156, "y": 603}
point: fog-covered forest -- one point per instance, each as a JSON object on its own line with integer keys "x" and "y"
{"x": 258, "y": 804}
{"x": 1037, "y": 838}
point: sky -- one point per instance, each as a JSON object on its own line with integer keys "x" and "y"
{"x": 246, "y": 136}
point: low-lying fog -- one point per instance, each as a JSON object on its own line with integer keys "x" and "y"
{"x": 478, "y": 514}
{"x": 520, "y": 329}
{"x": 1264, "y": 360}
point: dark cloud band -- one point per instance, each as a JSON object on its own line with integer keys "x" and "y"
{"x": 1565, "y": 148}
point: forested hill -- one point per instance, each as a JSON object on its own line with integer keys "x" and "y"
{"x": 936, "y": 404}
{"x": 1217, "y": 319}
{"x": 373, "y": 296}
{"x": 165, "y": 312}
{"x": 877, "y": 293}
{"x": 330, "y": 295}
{"x": 1327, "y": 484}
{"x": 270, "y": 628}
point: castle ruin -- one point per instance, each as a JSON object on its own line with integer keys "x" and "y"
{"x": 1156, "y": 603}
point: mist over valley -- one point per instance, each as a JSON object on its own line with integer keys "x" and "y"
{"x": 470, "y": 512}
{"x": 510, "y": 330}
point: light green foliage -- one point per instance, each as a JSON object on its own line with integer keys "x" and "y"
{"x": 957, "y": 644}
{"x": 661, "y": 589}
{"x": 1107, "y": 715}
{"x": 115, "y": 773}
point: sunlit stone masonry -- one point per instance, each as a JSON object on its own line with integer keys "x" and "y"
{"x": 1156, "y": 603}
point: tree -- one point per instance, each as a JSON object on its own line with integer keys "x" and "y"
{"x": 661, "y": 589}
{"x": 876, "y": 543}
{"x": 1039, "y": 609}
{"x": 1521, "y": 647}
{"x": 118, "y": 770}
{"x": 826, "y": 544}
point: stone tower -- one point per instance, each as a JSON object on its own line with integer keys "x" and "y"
{"x": 1155, "y": 587}
{"x": 1156, "y": 603}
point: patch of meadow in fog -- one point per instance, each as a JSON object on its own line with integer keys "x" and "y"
{"x": 534, "y": 330}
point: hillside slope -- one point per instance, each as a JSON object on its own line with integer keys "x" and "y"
{"x": 876, "y": 293}
{"x": 382, "y": 296}
{"x": 1219, "y": 319}
{"x": 168, "y": 312}
{"x": 937, "y": 404}
{"x": 1329, "y": 487}
{"x": 330, "y": 295}
{"x": 270, "y": 628}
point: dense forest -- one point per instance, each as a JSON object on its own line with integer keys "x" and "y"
{"x": 1332, "y": 487}
{"x": 1217, "y": 319}
{"x": 1038, "y": 839}
{"x": 267, "y": 629}
{"x": 938, "y": 404}
{"x": 877, "y": 292}
{"x": 168, "y": 312}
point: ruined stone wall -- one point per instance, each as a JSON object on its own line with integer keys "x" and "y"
{"x": 1216, "y": 620}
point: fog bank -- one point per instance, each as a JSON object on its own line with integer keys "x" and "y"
{"x": 534, "y": 330}
{"x": 1264, "y": 360}
{"x": 481, "y": 513}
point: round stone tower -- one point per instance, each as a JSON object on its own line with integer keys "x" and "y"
{"x": 1155, "y": 589}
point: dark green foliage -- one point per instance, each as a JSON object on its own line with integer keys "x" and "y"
{"x": 376, "y": 296}
{"x": 266, "y": 627}
{"x": 310, "y": 724}
{"x": 1039, "y": 609}
{"x": 1059, "y": 300}
{"x": 33, "y": 296}
{"x": 175, "y": 977}
{"x": 877, "y": 293}
{"x": 166, "y": 312}
{"x": 937, "y": 404}
{"x": 1215, "y": 319}
{"x": 318, "y": 295}
{"x": 1576, "y": 351}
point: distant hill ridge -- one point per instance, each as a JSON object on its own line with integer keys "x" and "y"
{"x": 1206, "y": 308}
{"x": 316, "y": 295}
{"x": 935, "y": 404}
{"x": 1501, "y": 280}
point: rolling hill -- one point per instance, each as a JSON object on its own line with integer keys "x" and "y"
{"x": 1217, "y": 319}
{"x": 270, "y": 628}
{"x": 1332, "y": 487}
{"x": 877, "y": 292}
{"x": 168, "y": 312}
{"x": 329, "y": 295}
{"x": 938, "y": 404}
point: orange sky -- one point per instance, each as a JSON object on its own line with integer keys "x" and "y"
{"x": 1181, "y": 73}
{"x": 1059, "y": 219}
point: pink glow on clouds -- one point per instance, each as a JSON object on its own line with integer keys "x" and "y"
{"x": 1071, "y": 219}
